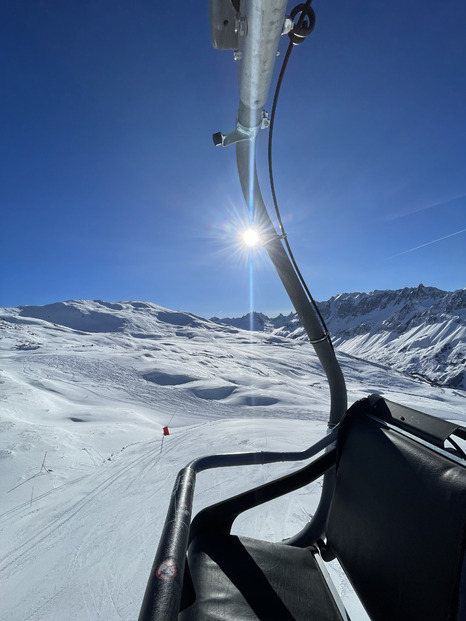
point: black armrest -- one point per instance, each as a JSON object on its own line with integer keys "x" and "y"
{"x": 220, "y": 517}
{"x": 163, "y": 592}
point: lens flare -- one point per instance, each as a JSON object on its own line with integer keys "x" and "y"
{"x": 251, "y": 238}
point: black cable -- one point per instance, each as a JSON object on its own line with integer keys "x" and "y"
{"x": 271, "y": 126}
{"x": 304, "y": 14}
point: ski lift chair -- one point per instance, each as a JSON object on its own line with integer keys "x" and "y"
{"x": 396, "y": 524}
{"x": 393, "y": 506}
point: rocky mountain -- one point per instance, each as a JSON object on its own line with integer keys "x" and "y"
{"x": 420, "y": 331}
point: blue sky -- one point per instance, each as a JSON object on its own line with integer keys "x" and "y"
{"x": 111, "y": 188}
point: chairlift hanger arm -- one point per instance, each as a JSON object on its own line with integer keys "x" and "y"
{"x": 258, "y": 27}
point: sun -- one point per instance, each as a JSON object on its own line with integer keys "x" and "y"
{"x": 251, "y": 238}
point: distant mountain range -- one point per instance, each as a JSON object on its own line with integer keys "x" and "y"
{"x": 417, "y": 331}
{"x": 420, "y": 331}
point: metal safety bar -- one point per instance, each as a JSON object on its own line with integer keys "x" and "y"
{"x": 162, "y": 597}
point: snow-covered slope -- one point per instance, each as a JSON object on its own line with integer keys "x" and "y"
{"x": 420, "y": 331}
{"x": 86, "y": 473}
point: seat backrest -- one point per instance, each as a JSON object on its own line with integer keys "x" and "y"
{"x": 397, "y": 520}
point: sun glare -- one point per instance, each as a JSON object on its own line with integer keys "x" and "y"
{"x": 241, "y": 239}
{"x": 251, "y": 238}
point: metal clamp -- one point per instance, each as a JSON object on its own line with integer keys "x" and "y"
{"x": 272, "y": 237}
{"x": 323, "y": 338}
{"x": 241, "y": 132}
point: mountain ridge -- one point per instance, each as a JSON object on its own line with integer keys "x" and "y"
{"x": 420, "y": 330}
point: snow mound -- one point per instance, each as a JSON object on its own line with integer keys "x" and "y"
{"x": 75, "y": 316}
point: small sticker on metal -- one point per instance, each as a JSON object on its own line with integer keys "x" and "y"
{"x": 166, "y": 570}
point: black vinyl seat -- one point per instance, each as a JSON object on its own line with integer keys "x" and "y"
{"x": 396, "y": 524}
{"x": 240, "y": 578}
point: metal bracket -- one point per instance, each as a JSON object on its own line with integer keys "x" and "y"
{"x": 323, "y": 338}
{"x": 241, "y": 132}
{"x": 273, "y": 237}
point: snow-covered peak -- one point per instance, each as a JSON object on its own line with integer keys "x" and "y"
{"x": 108, "y": 317}
{"x": 418, "y": 330}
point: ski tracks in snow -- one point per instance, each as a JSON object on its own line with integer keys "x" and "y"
{"x": 120, "y": 474}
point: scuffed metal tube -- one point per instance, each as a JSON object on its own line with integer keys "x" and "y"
{"x": 262, "y": 23}
{"x": 163, "y": 591}
{"x": 263, "y": 457}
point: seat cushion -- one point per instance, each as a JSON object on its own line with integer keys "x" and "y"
{"x": 236, "y": 578}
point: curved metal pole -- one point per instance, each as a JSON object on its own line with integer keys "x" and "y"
{"x": 261, "y": 24}
{"x": 258, "y": 45}
{"x": 281, "y": 261}
{"x": 245, "y": 156}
